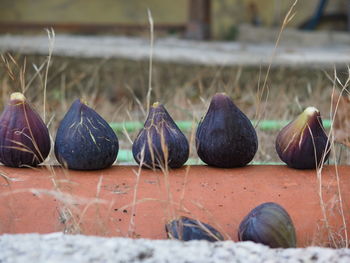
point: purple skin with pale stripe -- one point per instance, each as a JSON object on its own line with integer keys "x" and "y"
{"x": 84, "y": 140}
{"x": 303, "y": 142}
{"x": 24, "y": 137}
{"x": 268, "y": 224}
{"x": 160, "y": 134}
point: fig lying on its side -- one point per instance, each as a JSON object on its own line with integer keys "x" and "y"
{"x": 225, "y": 137}
{"x": 303, "y": 142}
{"x": 268, "y": 224}
{"x": 24, "y": 137}
{"x": 187, "y": 229}
{"x": 84, "y": 140}
{"x": 160, "y": 143}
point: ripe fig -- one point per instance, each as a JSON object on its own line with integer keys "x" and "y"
{"x": 268, "y": 224}
{"x": 303, "y": 142}
{"x": 225, "y": 137}
{"x": 84, "y": 140}
{"x": 24, "y": 137}
{"x": 187, "y": 229}
{"x": 160, "y": 143}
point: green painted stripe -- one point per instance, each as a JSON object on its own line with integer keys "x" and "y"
{"x": 265, "y": 125}
{"x": 125, "y": 156}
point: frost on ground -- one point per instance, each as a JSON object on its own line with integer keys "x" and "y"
{"x": 58, "y": 247}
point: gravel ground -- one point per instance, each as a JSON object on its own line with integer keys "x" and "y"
{"x": 57, "y": 247}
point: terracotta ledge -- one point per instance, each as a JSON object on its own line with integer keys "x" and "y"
{"x": 50, "y": 199}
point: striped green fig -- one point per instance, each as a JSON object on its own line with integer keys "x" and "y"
{"x": 268, "y": 224}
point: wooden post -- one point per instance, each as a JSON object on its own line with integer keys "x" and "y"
{"x": 198, "y": 26}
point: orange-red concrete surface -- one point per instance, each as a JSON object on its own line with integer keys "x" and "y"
{"x": 118, "y": 202}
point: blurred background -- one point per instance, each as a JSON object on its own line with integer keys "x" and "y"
{"x": 101, "y": 52}
{"x": 201, "y": 19}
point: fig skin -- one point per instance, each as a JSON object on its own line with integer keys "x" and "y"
{"x": 297, "y": 141}
{"x": 187, "y": 229}
{"x": 225, "y": 137}
{"x": 24, "y": 137}
{"x": 160, "y": 130}
{"x": 84, "y": 140}
{"x": 268, "y": 224}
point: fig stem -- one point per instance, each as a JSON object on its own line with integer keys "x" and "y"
{"x": 309, "y": 111}
{"x": 155, "y": 105}
{"x": 17, "y": 96}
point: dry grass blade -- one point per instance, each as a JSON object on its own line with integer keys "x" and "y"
{"x": 192, "y": 139}
{"x": 150, "y": 19}
{"x": 341, "y": 123}
{"x": 126, "y": 134}
{"x": 51, "y": 37}
{"x": 330, "y": 145}
{"x": 37, "y": 74}
{"x": 14, "y": 71}
{"x": 8, "y": 179}
{"x": 8, "y": 67}
{"x": 319, "y": 167}
{"x": 180, "y": 226}
{"x": 259, "y": 112}
{"x": 211, "y": 218}
{"x": 138, "y": 102}
{"x": 131, "y": 229}
{"x": 60, "y": 196}
{"x": 165, "y": 170}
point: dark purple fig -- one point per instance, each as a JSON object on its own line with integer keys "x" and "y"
{"x": 24, "y": 137}
{"x": 303, "y": 143}
{"x": 84, "y": 140}
{"x": 225, "y": 137}
{"x": 268, "y": 224}
{"x": 160, "y": 143}
{"x": 187, "y": 229}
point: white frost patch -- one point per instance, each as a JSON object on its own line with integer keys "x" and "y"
{"x": 57, "y": 247}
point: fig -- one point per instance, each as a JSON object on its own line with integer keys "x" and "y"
{"x": 187, "y": 229}
{"x": 84, "y": 140}
{"x": 225, "y": 137}
{"x": 268, "y": 224}
{"x": 24, "y": 137}
{"x": 160, "y": 142}
{"x": 302, "y": 143}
